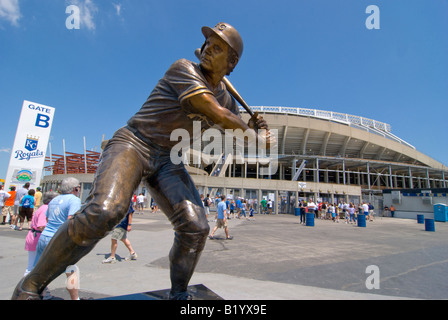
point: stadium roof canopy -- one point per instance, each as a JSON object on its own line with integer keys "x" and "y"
{"x": 336, "y": 139}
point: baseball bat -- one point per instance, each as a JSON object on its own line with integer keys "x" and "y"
{"x": 230, "y": 88}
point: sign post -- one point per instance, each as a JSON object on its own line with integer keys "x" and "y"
{"x": 30, "y": 145}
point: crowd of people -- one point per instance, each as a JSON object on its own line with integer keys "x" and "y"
{"x": 45, "y": 214}
{"x": 19, "y": 205}
{"x": 44, "y": 217}
{"x": 238, "y": 208}
{"x": 347, "y": 212}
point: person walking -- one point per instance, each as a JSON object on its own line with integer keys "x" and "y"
{"x": 8, "y": 209}
{"x": 232, "y": 209}
{"x": 264, "y": 206}
{"x": 4, "y": 196}
{"x": 243, "y": 207}
{"x": 37, "y": 198}
{"x": 392, "y": 211}
{"x": 270, "y": 206}
{"x": 352, "y": 213}
{"x": 38, "y": 223}
{"x": 61, "y": 209}
{"x": 140, "y": 203}
{"x": 365, "y": 210}
{"x": 120, "y": 233}
{"x": 371, "y": 211}
{"x": 20, "y": 193}
{"x": 26, "y": 209}
{"x": 312, "y": 207}
{"x": 206, "y": 201}
{"x": 221, "y": 220}
{"x": 302, "y": 207}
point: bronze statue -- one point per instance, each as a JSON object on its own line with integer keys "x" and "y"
{"x": 141, "y": 151}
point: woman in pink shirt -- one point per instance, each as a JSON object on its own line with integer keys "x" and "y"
{"x": 38, "y": 223}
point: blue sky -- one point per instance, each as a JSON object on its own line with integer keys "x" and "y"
{"x": 311, "y": 54}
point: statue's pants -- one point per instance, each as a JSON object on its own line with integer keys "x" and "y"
{"x": 125, "y": 161}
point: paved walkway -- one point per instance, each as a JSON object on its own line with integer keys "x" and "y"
{"x": 270, "y": 258}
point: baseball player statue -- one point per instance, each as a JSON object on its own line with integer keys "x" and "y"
{"x": 140, "y": 151}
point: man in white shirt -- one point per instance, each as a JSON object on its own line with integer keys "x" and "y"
{"x": 365, "y": 209}
{"x": 140, "y": 202}
{"x": 311, "y": 206}
{"x": 270, "y": 206}
{"x": 3, "y": 197}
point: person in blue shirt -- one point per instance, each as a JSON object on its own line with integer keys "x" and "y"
{"x": 238, "y": 207}
{"x": 26, "y": 209}
{"x": 120, "y": 233}
{"x": 221, "y": 219}
{"x": 232, "y": 208}
{"x": 60, "y": 209}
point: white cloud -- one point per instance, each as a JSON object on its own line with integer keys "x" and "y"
{"x": 10, "y": 10}
{"x": 87, "y": 9}
{"x": 117, "y": 8}
{"x": 6, "y": 150}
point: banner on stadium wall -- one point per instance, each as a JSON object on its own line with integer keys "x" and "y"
{"x": 30, "y": 145}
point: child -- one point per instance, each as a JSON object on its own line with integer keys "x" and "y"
{"x": 26, "y": 208}
{"x": 38, "y": 224}
{"x": 251, "y": 213}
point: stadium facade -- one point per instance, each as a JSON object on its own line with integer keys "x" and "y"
{"x": 323, "y": 155}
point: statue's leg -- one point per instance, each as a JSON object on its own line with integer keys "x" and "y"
{"x": 176, "y": 194}
{"x": 118, "y": 175}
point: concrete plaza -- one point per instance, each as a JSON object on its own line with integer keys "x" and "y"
{"x": 270, "y": 258}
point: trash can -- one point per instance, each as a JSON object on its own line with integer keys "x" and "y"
{"x": 297, "y": 212}
{"x": 362, "y": 220}
{"x": 441, "y": 212}
{"x": 310, "y": 219}
{"x": 429, "y": 225}
{"x": 420, "y": 219}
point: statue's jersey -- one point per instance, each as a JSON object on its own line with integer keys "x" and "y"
{"x": 167, "y": 108}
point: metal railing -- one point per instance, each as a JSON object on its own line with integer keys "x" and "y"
{"x": 322, "y": 114}
{"x": 377, "y": 127}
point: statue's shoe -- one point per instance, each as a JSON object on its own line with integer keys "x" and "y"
{"x": 21, "y": 294}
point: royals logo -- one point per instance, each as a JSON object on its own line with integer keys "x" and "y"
{"x": 31, "y": 143}
{"x": 32, "y": 152}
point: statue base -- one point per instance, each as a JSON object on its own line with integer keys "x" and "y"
{"x": 198, "y": 292}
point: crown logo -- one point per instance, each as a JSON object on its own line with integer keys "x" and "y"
{"x": 28, "y": 137}
{"x": 221, "y": 26}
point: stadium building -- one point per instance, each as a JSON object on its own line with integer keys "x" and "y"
{"x": 323, "y": 155}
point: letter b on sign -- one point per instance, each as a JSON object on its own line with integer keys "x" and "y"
{"x": 42, "y": 121}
